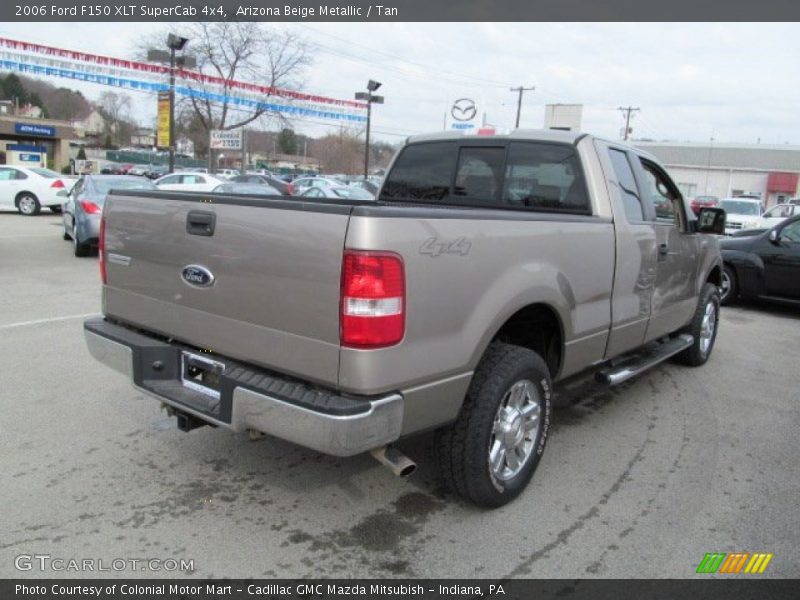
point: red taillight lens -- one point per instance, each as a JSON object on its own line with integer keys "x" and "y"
{"x": 89, "y": 207}
{"x": 372, "y": 299}
{"x": 290, "y": 189}
{"x": 57, "y": 184}
{"x": 101, "y": 250}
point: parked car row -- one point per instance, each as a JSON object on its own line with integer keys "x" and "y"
{"x": 746, "y": 213}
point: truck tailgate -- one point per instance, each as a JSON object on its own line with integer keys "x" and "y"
{"x": 274, "y": 298}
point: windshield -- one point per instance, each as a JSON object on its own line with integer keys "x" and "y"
{"x": 741, "y": 207}
{"x": 105, "y": 185}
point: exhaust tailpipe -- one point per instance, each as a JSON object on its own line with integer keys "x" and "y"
{"x": 396, "y": 461}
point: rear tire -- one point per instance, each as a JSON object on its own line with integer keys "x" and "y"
{"x": 80, "y": 248}
{"x": 703, "y": 328}
{"x": 730, "y": 286}
{"x": 28, "y": 204}
{"x": 489, "y": 454}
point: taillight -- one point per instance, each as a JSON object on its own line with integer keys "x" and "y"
{"x": 101, "y": 248}
{"x": 372, "y": 299}
{"x": 89, "y": 207}
{"x": 290, "y": 189}
{"x": 57, "y": 184}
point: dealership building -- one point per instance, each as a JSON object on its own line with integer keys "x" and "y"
{"x": 34, "y": 142}
{"x": 770, "y": 172}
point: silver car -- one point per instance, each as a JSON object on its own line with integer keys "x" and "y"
{"x": 84, "y": 206}
{"x": 337, "y": 192}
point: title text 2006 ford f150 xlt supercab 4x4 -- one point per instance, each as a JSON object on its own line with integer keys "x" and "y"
{"x": 489, "y": 268}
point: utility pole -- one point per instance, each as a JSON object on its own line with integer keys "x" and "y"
{"x": 520, "y": 90}
{"x": 628, "y": 110}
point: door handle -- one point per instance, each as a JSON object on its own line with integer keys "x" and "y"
{"x": 199, "y": 222}
{"x": 663, "y": 249}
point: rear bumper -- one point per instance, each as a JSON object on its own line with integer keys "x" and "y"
{"x": 250, "y": 398}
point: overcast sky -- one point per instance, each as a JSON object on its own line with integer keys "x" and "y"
{"x": 737, "y": 82}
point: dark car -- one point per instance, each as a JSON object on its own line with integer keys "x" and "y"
{"x": 112, "y": 169}
{"x": 284, "y": 188}
{"x": 764, "y": 266}
{"x": 157, "y": 171}
{"x": 83, "y": 206}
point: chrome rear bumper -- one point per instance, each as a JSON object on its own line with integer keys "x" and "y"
{"x": 250, "y": 398}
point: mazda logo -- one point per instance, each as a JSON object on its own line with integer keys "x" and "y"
{"x": 197, "y": 276}
{"x": 463, "y": 109}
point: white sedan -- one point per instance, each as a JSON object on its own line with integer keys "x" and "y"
{"x": 188, "y": 182}
{"x": 28, "y": 189}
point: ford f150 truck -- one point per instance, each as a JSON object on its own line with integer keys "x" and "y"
{"x": 488, "y": 268}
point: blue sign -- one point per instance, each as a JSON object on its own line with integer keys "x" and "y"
{"x": 37, "y": 130}
{"x": 30, "y": 157}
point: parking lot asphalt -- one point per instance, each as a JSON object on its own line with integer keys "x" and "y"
{"x": 637, "y": 481}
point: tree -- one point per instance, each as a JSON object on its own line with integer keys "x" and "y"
{"x": 244, "y": 51}
{"x": 68, "y": 105}
{"x": 13, "y": 89}
{"x": 115, "y": 108}
{"x": 341, "y": 152}
{"x": 287, "y": 141}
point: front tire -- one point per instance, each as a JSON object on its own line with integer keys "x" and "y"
{"x": 703, "y": 328}
{"x": 489, "y": 454}
{"x": 28, "y": 204}
{"x": 730, "y": 286}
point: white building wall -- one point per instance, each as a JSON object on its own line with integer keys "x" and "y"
{"x": 695, "y": 181}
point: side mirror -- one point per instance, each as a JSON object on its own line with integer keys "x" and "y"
{"x": 774, "y": 236}
{"x": 711, "y": 220}
{"x": 62, "y": 193}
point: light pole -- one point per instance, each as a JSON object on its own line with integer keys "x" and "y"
{"x": 174, "y": 42}
{"x": 369, "y": 98}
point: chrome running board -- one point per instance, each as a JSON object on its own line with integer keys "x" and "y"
{"x": 638, "y": 362}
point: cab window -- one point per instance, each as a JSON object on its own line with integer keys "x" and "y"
{"x": 545, "y": 177}
{"x": 663, "y": 194}
{"x": 634, "y": 211}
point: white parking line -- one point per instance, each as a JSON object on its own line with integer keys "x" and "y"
{"x": 26, "y": 235}
{"x": 51, "y": 320}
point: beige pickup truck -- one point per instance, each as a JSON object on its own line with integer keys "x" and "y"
{"x": 488, "y": 270}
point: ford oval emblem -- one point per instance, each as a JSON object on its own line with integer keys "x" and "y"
{"x": 197, "y": 275}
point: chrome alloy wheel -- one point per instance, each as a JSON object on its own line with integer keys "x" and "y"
{"x": 516, "y": 428}
{"x": 708, "y": 328}
{"x": 27, "y": 204}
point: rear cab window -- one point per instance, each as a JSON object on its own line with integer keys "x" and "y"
{"x": 516, "y": 175}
